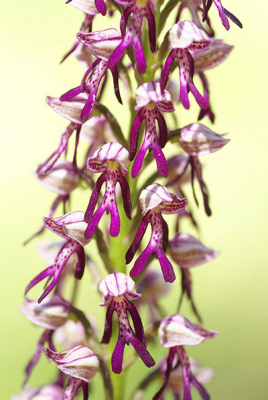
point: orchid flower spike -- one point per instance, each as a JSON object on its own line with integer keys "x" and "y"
{"x": 139, "y": 9}
{"x": 184, "y": 37}
{"x": 80, "y": 363}
{"x": 101, "y": 44}
{"x": 188, "y": 252}
{"x": 197, "y": 140}
{"x": 151, "y": 103}
{"x": 112, "y": 160}
{"x": 117, "y": 290}
{"x": 175, "y": 332}
{"x": 154, "y": 201}
{"x": 72, "y": 228}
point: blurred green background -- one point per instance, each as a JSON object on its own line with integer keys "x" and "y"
{"x": 231, "y": 291}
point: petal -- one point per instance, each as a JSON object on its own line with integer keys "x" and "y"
{"x": 138, "y": 238}
{"x": 108, "y": 324}
{"x": 117, "y": 357}
{"x": 134, "y": 134}
{"x": 196, "y": 139}
{"x": 140, "y": 57}
{"x": 166, "y": 266}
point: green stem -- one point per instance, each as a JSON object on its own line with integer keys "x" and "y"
{"x": 119, "y": 381}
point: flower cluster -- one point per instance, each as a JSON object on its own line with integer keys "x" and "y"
{"x": 121, "y": 207}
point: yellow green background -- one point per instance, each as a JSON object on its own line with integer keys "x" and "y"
{"x": 231, "y": 292}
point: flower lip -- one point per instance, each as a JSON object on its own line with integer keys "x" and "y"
{"x": 101, "y": 43}
{"x": 80, "y": 362}
{"x": 150, "y": 92}
{"x": 71, "y": 225}
{"x": 109, "y": 152}
{"x": 189, "y": 252}
{"x": 177, "y": 330}
{"x": 157, "y": 195}
{"x": 185, "y": 34}
{"x": 198, "y": 140}
{"x": 51, "y": 314}
{"x": 115, "y": 285}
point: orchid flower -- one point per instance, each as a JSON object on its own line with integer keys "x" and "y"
{"x": 151, "y": 103}
{"x": 154, "y": 201}
{"x": 139, "y": 9}
{"x": 215, "y": 55}
{"x": 188, "y": 252}
{"x": 117, "y": 290}
{"x": 52, "y": 314}
{"x": 174, "y": 333}
{"x": 80, "y": 363}
{"x": 112, "y": 160}
{"x": 71, "y": 227}
{"x": 101, "y": 44}
{"x": 197, "y": 140}
{"x": 185, "y": 37}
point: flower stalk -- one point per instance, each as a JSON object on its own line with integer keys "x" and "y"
{"x": 132, "y": 182}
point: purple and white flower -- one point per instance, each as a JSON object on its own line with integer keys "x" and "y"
{"x": 154, "y": 201}
{"x": 151, "y": 103}
{"x": 80, "y": 363}
{"x": 175, "y": 332}
{"x": 139, "y": 9}
{"x": 101, "y": 44}
{"x": 112, "y": 160}
{"x": 188, "y": 252}
{"x": 72, "y": 228}
{"x": 184, "y": 37}
{"x": 117, "y": 290}
{"x": 198, "y": 140}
